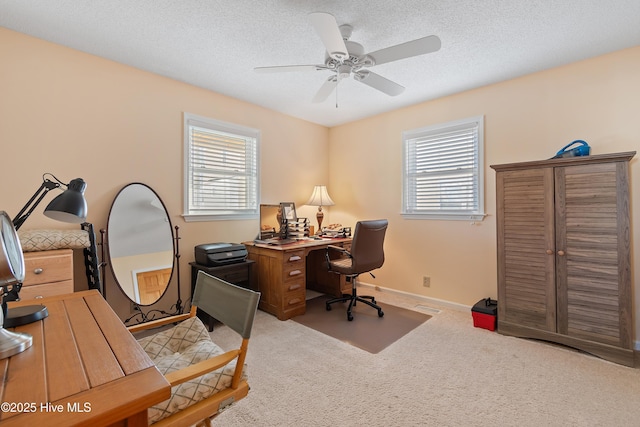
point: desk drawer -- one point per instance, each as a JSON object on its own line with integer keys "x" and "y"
{"x": 294, "y": 299}
{"x": 293, "y": 260}
{"x": 294, "y": 291}
{"x": 47, "y": 267}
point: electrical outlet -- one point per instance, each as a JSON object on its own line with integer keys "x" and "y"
{"x": 426, "y": 281}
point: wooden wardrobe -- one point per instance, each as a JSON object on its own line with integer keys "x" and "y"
{"x": 563, "y": 239}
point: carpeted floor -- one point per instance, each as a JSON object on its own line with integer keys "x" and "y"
{"x": 445, "y": 373}
{"x": 366, "y": 331}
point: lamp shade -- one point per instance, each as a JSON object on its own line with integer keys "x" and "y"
{"x": 320, "y": 197}
{"x": 70, "y": 206}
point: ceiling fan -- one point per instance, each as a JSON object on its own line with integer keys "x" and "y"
{"x": 344, "y": 58}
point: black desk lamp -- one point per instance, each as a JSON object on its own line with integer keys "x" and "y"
{"x": 70, "y": 206}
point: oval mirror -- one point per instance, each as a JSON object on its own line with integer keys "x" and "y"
{"x": 140, "y": 244}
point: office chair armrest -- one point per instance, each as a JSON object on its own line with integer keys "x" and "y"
{"x": 338, "y": 249}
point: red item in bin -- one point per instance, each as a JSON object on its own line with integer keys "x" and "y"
{"x": 484, "y": 314}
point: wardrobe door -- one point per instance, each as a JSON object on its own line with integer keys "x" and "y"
{"x": 526, "y": 266}
{"x": 593, "y": 266}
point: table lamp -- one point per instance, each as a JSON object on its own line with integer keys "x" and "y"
{"x": 70, "y": 206}
{"x": 320, "y": 198}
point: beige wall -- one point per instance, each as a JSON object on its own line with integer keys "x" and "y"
{"x": 528, "y": 118}
{"x": 76, "y": 115}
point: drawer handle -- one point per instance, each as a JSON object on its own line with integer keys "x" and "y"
{"x": 294, "y": 258}
{"x": 294, "y": 287}
{"x": 39, "y": 297}
{"x": 294, "y": 301}
{"x": 37, "y": 271}
{"x": 295, "y": 272}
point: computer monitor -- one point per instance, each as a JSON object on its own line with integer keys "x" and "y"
{"x": 274, "y": 220}
{"x": 269, "y": 221}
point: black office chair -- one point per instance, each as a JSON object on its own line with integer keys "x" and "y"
{"x": 366, "y": 254}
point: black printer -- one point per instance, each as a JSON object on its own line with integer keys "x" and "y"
{"x": 216, "y": 254}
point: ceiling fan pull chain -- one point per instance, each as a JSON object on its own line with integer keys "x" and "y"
{"x": 337, "y": 96}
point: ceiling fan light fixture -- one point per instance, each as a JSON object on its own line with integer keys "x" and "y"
{"x": 344, "y": 71}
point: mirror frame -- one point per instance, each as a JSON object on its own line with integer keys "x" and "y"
{"x": 171, "y": 234}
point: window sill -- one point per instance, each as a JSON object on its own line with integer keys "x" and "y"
{"x": 227, "y": 217}
{"x": 446, "y": 216}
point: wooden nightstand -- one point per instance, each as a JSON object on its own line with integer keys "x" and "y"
{"x": 47, "y": 273}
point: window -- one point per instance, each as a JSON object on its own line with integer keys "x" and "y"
{"x": 221, "y": 170}
{"x": 442, "y": 174}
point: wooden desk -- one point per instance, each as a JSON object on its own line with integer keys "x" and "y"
{"x": 84, "y": 368}
{"x": 284, "y": 272}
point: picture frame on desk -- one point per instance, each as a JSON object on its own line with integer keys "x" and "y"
{"x": 288, "y": 211}
{"x": 288, "y": 214}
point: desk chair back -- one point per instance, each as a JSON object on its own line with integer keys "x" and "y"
{"x": 367, "y": 250}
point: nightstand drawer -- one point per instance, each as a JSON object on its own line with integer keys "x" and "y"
{"x": 48, "y": 267}
{"x": 46, "y": 290}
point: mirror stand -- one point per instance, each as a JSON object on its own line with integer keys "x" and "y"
{"x": 141, "y": 316}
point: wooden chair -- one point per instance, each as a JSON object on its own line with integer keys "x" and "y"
{"x": 204, "y": 379}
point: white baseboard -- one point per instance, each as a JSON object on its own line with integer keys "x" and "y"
{"x": 445, "y": 303}
{"x": 436, "y": 301}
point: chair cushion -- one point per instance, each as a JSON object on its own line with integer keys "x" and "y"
{"x": 342, "y": 265}
{"x": 183, "y": 345}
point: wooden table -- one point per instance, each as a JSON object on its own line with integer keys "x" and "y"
{"x": 284, "y": 272}
{"x": 84, "y": 368}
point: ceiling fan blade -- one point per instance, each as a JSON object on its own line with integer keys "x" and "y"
{"x": 406, "y": 50}
{"x": 326, "y": 89}
{"x": 378, "y": 82}
{"x": 287, "y": 68}
{"x": 327, "y": 28}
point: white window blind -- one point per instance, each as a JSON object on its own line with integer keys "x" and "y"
{"x": 221, "y": 170}
{"x": 443, "y": 171}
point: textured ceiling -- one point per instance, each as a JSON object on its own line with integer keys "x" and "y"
{"x": 215, "y": 44}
